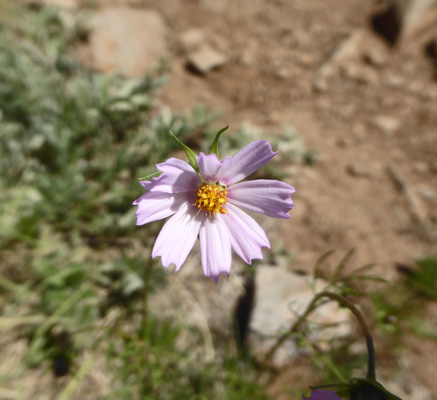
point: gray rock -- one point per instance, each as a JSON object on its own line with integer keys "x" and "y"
{"x": 360, "y": 132}
{"x": 366, "y": 170}
{"x": 320, "y": 85}
{"x": 404, "y": 19}
{"x": 420, "y": 166}
{"x": 359, "y": 46}
{"x": 416, "y": 15}
{"x": 280, "y": 296}
{"x": 247, "y": 56}
{"x": 387, "y": 124}
{"x": 427, "y": 193}
{"x": 375, "y": 56}
{"x": 192, "y": 39}
{"x": 68, "y": 4}
{"x": 394, "y": 81}
{"x": 359, "y": 73}
{"x": 128, "y": 40}
{"x": 205, "y": 59}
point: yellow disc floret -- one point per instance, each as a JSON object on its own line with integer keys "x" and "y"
{"x": 211, "y": 198}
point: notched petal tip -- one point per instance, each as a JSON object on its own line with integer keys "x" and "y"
{"x": 153, "y": 206}
{"x": 248, "y": 160}
{"x": 217, "y": 277}
{"x": 263, "y": 143}
{"x": 166, "y": 264}
{"x": 247, "y": 237}
{"x": 177, "y": 237}
{"x": 177, "y": 177}
{"x": 215, "y": 247}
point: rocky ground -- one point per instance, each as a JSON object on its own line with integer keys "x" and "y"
{"x": 365, "y": 104}
{"x": 357, "y": 80}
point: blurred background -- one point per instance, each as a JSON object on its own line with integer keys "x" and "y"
{"x": 345, "y": 90}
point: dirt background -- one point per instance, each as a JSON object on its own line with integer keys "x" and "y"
{"x": 367, "y": 101}
{"x": 367, "y": 105}
{"x": 370, "y": 112}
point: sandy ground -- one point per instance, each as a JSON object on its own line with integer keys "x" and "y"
{"x": 368, "y": 107}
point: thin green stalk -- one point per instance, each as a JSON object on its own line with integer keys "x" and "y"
{"x": 326, "y": 361}
{"x": 345, "y": 303}
{"x": 77, "y": 379}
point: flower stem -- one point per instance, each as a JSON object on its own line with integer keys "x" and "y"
{"x": 326, "y": 361}
{"x": 345, "y": 303}
{"x": 371, "y": 358}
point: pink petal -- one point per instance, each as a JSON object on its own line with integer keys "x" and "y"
{"x": 215, "y": 247}
{"x": 268, "y": 197}
{"x": 322, "y": 394}
{"x": 209, "y": 166}
{"x": 245, "y": 162}
{"x": 247, "y": 237}
{"x": 177, "y": 177}
{"x": 153, "y": 206}
{"x": 177, "y": 236}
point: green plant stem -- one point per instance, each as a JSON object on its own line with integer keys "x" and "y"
{"x": 345, "y": 303}
{"x": 78, "y": 378}
{"x": 326, "y": 361}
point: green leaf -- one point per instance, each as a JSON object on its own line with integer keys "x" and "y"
{"x": 191, "y": 155}
{"x": 131, "y": 283}
{"x": 150, "y": 176}
{"x": 214, "y": 147}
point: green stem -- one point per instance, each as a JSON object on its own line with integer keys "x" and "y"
{"x": 371, "y": 358}
{"x": 328, "y": 363}
{"x": 345, "y": 303}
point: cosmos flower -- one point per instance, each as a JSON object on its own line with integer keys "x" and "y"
{"x": 207, "y": 204}
{"x": 322, "y": 394}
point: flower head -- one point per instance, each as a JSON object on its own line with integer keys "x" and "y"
{"x": 355, "y": 389}
{"x": 322, "y": 394}
{"x": 207, "y": 204}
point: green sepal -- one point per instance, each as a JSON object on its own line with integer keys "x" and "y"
{"x": 329, "y": 386}
{"x": 191, "y": 155}
{"x": 214, "y": 147}
{"x": 363, "y": 389}
{"x": 150, "y": 176}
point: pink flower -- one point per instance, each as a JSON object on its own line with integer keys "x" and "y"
{"x": 209, "y": 205}
{"x": 322, "y": 394}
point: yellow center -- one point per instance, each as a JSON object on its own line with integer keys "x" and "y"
{"x": 211, "y": 198}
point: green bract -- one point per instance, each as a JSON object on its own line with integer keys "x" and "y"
{"x": 150, "y": 176}
{"x": 191, "y": 155}
{"x": 214, "y": 147}
{"x": 369, "y": 389}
